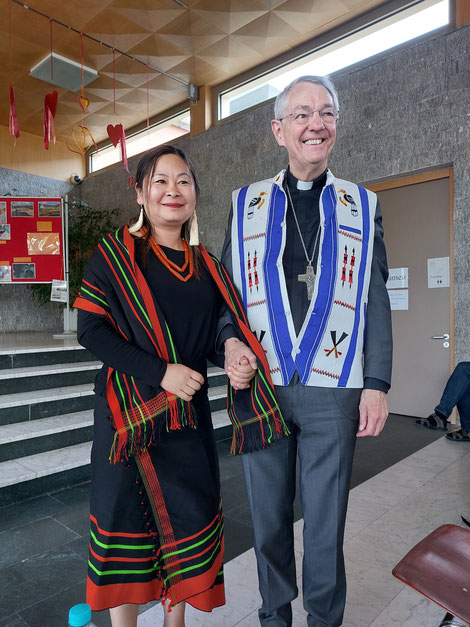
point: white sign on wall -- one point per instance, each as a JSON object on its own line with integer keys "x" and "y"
{"x": 438, "y": 272}
{"x": 398, "y": 299}
{"x": 397, "y": 278}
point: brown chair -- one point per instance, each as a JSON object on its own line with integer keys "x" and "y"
{"x": 439, "y": 568}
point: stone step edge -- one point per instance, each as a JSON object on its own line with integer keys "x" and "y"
{"x": 40, "y": 349}
{"x": 29, "y": 429}
{"x": 52, "y": 369}
{"x": 23, "y": 469}
{"x": 32, "y": 467}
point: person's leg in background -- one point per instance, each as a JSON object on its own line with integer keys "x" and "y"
{"x": 456, "y": 389}
{"x": 463, "y": 406}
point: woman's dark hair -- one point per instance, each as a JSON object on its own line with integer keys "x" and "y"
{"x": 143, "y": 176}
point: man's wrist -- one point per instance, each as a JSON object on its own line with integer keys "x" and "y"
{"x": 370, "y": 383}
{"x": 231, "y": 342}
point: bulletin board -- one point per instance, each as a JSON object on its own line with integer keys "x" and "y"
{"x": 31, "y": 240}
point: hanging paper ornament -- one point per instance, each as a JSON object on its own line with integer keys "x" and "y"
{"x": 50, "y": 109}
{"x": 116, "y": 134}
{"x": 83, "y": 102}
{"x": 79, "y": 140}
{"x": 13, "y": 124}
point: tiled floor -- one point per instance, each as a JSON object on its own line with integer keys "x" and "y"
{"x": 405, "y": 483}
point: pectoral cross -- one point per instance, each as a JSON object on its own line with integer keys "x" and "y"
{"x": 309, "y": 279}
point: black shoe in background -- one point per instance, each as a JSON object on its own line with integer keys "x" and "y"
{"x": 450, "y": 620}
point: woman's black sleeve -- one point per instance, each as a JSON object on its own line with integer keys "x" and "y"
{"x": 98, "y": 336}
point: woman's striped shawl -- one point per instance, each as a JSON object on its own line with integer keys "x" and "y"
{"x": 114, "y": 287}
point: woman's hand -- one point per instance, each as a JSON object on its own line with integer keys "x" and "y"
{"x": 240, "y": 363}
{"x": 182, "y": 381}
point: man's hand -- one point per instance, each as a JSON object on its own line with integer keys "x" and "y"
{"x": 182, "y": 381}
{"x": 373, "y": 412}
{"x": 240, "y": 363}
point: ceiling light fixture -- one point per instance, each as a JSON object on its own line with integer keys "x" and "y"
{"x": 66, "y": 73}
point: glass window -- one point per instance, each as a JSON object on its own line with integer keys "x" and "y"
{"x": 389, "y": 32}
{"x": 161, "y": 133}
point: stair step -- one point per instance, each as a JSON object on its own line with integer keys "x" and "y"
{"x": 33, "y": 405}
{"x": 20, "y": 431}
{"x": 218, "y": 398}
{"x": 44, "y": 464}
{"x": 44, "y": 472}
{"x": 16, "y": 380}
{"x": 44, "y": 396}
{"x": 216, "y": 376}
{"x": 41, "y": 356}
{"x": 49, "y": 369}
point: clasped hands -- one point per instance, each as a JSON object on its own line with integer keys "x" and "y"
{"x": 240, "y": 366}
{"x": 240, "y": 363}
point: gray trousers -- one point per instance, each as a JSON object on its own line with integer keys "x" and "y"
{"x": 323, "y": 422}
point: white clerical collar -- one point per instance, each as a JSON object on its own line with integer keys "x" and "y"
{"x": 304, "y": 185}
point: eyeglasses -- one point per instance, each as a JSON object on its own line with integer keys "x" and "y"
{"x": 304, "y": 115}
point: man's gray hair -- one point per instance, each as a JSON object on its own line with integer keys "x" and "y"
{"x": 324, "y": 81}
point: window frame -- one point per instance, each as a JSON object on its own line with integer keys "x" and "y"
{"x": 331, "y": 39}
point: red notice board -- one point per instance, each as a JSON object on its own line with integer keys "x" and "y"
{"x": 31, "y": 240}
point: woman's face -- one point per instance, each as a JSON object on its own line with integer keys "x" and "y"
{"x": 169, "y": 197}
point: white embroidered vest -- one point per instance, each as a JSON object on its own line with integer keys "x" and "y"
{"x": 328, "y": 350}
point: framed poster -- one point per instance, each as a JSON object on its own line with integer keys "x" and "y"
{"x": 31, "y": 240}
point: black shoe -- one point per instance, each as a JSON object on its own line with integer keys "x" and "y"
{"x": 452, "y": 621}
{"x": 434, "y": 421}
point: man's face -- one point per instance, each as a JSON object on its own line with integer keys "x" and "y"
{"x": 308, "y": 141}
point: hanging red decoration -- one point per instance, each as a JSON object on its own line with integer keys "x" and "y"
{"x": 116, "y": 134}
{"x": 13, "y": 124}
{"x": 50, "y": 109}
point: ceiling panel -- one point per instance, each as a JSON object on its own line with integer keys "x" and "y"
{"x": 206, "y": 44}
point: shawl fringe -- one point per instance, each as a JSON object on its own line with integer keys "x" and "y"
{"x": 137, "y": 435}
{"x": 272, "y": 428}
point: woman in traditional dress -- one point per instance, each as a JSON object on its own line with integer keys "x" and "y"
{"x": 149, "y": 305}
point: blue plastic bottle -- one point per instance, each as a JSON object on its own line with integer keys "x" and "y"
{"x": 80, "y": 616}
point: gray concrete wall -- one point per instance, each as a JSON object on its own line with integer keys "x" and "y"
{"x": 18, "y": 310}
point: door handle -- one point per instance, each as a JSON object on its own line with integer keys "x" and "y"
{"x": 440, "y": 337}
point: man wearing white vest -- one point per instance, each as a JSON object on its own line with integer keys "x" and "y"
{"x": 306, "y": 252}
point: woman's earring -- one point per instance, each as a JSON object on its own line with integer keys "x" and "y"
{"x": 140, "y": 222}
{"x": 193, "y": 231}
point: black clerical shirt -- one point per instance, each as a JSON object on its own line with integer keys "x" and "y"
{"x": 307, "y": 210}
